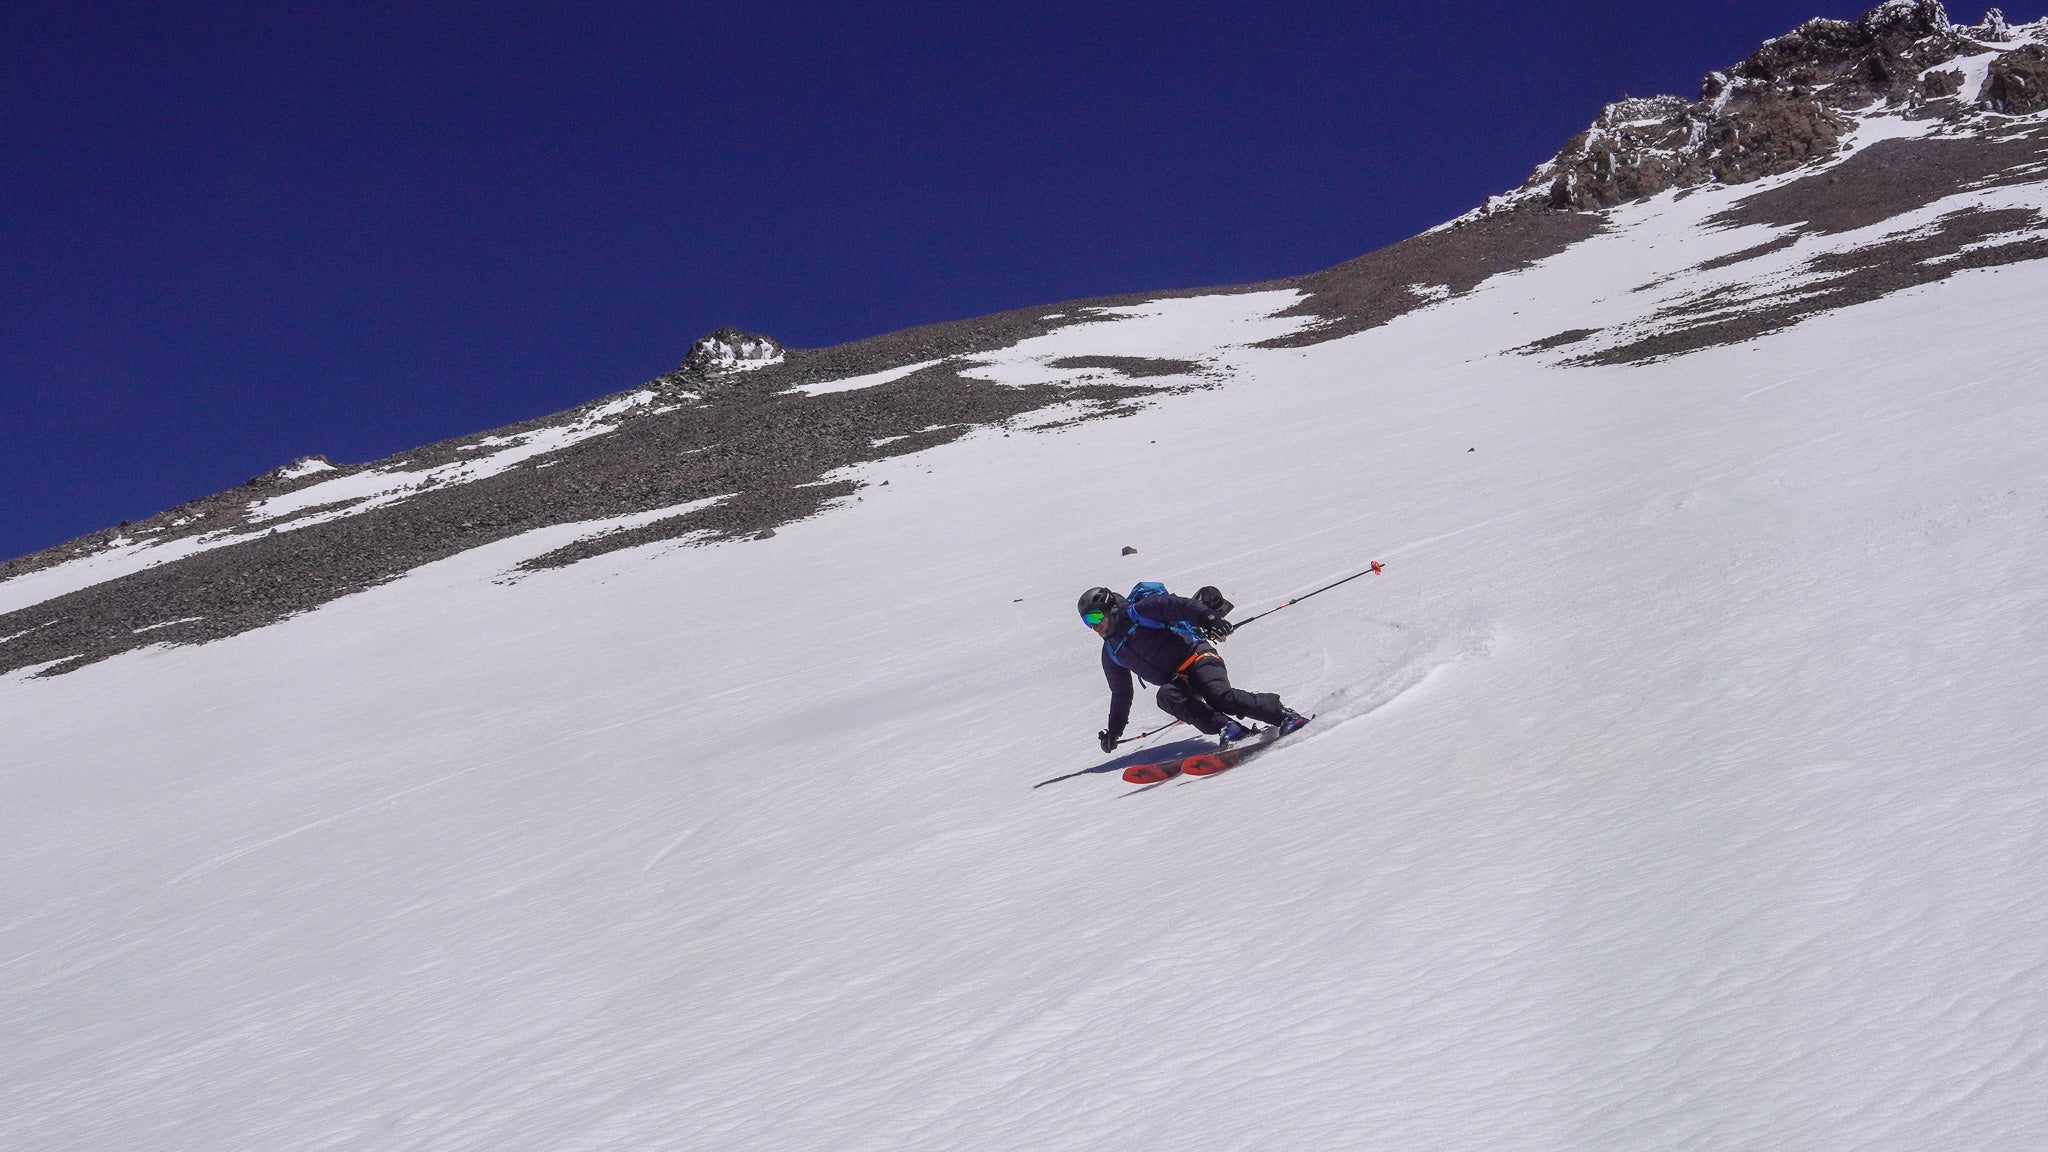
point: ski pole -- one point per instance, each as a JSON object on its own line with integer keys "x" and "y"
{"x": 1372, "y": 571}
{"x": 1145, "y": 735}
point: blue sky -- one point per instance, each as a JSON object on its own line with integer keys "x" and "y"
{"x": 236, "y": 234}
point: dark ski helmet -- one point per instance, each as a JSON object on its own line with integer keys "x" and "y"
{"x": 1101, "y": 603}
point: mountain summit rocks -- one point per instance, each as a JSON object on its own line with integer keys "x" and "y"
{"x": 731, "y": 350}
{"x": 1788, "y": 104}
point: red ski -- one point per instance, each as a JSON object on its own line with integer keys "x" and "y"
{"x": 1206, "y": 763}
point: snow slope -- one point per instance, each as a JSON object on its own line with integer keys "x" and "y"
{"x": 1679, "y": 784}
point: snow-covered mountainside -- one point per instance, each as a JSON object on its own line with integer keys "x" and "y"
{"x": 713, "y": 766}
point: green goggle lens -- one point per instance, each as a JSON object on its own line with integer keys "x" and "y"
{"x": 1091, "y": 619}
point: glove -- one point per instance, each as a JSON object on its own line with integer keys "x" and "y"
{"x": 1107, "y": 739}
{"x": 1218, "y": 629}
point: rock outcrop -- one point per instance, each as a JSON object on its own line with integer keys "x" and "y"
{"x": 1788, "y": 104}
{"x": 2017, "y": 82}
{"x": 731, "y": 350}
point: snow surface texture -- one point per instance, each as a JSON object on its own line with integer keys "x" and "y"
{"x": 1678, "y": 786}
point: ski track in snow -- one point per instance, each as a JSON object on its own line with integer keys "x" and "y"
{"x": 258, "y": 846}
{"x": 1415, "y": 657}
{"x": 1677, "y": 785}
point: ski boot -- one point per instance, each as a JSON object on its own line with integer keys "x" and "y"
{"x": 1290, "y": 721}
{"x": 1233, "y": 732}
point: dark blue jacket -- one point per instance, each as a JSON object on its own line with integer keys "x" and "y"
{"x": 1155, "y": 654}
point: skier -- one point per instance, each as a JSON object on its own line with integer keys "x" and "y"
{"x": 1165, "y": 640}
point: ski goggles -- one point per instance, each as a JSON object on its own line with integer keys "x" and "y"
{"x": 1093, "y": 619}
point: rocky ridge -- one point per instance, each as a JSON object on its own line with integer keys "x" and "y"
{"x": 1793, "y": 102}
{"x": 746, "y": 435}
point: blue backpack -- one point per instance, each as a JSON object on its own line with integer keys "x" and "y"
{"x": 1145, "y": 591}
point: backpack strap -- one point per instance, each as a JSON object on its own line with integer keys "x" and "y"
{"x": 1140, "y": 618}
{"x": 1145, "y": 591}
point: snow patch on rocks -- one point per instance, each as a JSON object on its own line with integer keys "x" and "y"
{"x": 731, "y": 350}
{"x": 347, "y": 494}
{"x": 362, "y": 491}
{"x": 120, "y": 558}
{"x": 303, "y": 467}
{"x": 1206, "y": 330}
{"x": 867, "y": 380}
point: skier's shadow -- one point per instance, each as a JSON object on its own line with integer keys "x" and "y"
{"x": 1151, "y": 755}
